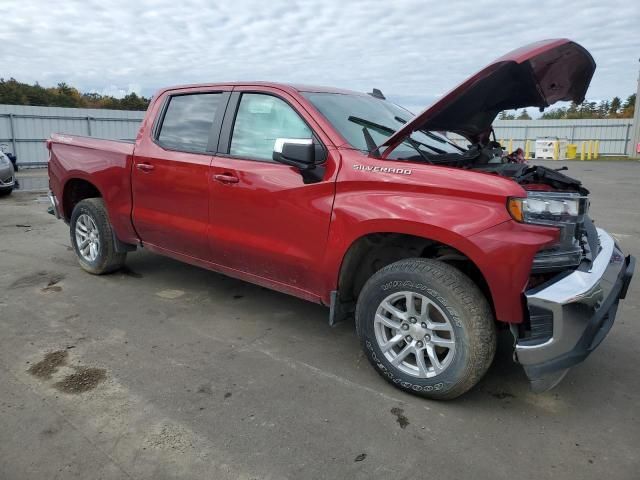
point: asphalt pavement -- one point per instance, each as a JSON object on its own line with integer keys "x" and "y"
{"x": 166, "y": 370}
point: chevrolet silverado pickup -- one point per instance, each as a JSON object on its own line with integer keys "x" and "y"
{"x": 350, "y": 201}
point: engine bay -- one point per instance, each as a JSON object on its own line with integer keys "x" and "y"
{"x": 491, "y": 158}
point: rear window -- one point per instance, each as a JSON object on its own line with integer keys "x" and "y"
{"x": 188, "y": 120}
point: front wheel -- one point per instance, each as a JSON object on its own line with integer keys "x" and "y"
{"x": 92, "y": 238}
{"x": 426, "y": 328}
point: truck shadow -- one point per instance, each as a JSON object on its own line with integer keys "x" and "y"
{"x": 334, "y": 350}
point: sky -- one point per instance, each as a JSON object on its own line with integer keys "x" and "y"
{"x": 414, "y": 51}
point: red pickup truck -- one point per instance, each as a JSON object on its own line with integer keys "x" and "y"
{"x": 348, "y": 200}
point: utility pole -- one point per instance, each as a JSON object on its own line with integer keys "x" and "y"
{"x": 635, "y": 127}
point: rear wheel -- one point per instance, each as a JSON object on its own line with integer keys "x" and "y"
{"x": 92, "y": 238}
{"x": 426, "y": 328}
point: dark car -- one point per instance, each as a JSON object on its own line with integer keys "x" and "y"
{"x": 7, "y": 175}
{"x": 10, "y": 156}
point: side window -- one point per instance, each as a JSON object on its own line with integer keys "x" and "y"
{"x": 187, "y": 121}
{"x": 259, "y": 121}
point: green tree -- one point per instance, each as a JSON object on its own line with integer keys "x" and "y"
{"x": 572, "y": 111}
{"x": 555, "y": 114}
{"x": 134, "y": 102}
{"x": 629, "y": 106}
{"x": 615, "y": 107}
{"x": 586, "y": 110}
{"x": 524, "y": 115}
{"x": 13, "y": 92}
{"x": 603, "y": 109}
{"x": 506, "y": 116}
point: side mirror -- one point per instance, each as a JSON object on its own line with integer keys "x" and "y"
{"x": 297, "y": 152}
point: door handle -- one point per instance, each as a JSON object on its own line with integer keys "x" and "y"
{"x": 145, "y": 167}
{"x": 226, "y": 178}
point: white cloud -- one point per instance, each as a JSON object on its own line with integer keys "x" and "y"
{"x": 118, "y": 92}
{"x": 412, "y": 50}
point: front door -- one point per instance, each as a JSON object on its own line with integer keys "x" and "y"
{"x": 265, "y": 221}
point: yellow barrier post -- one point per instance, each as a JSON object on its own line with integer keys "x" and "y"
{"x": 596, "y": 149}
{"x": 526, "y": 149}
{"x": 510, "y": 146}
{"x": 556, "y": 150}
{"x": 583, "y": 150}
{"x": 590, "y": 151}
{"x": 501, "y": 142}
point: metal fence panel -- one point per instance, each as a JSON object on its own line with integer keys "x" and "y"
{"x": 5, "y": 131}
{"x": 613, "y": 134}
{"x": 25, "y": 128}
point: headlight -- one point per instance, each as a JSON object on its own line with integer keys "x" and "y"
{"x": 548, "y": 208}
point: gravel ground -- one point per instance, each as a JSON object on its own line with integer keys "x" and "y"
{"x": 168, "y": 371}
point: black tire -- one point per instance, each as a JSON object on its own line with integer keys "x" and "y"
{"x": 466, "y": 310}
{"x": 107, "y": 260}
{"x": 5, "y": 191}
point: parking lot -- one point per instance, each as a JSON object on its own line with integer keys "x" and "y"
{"x": 166, "y": 370}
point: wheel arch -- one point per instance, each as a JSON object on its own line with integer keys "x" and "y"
{"x": 74, "y": 191}
{"x": 372, "y": 251}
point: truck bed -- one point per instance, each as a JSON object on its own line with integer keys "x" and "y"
{"x": 105, "y": 164}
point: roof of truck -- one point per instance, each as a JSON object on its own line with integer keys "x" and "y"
{"x": 282, "y": 86}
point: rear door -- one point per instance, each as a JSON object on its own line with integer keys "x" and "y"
{"x": 265, "y": 220}
{"x": 170, "y": 179}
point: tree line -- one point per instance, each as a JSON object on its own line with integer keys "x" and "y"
{"x": 13, "y": 92}
{"x": 614, "y": 108}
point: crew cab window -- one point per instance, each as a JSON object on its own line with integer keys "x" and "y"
{"x": 259, "y": 121}
{"x": 187, "y": 121}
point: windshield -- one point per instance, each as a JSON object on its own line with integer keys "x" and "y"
{"x": 357, "y": 117}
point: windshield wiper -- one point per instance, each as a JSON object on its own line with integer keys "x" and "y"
{"x": 372, "y": 148}
{"x": 370, "y": 124}
{"x": 371, "y": 145}
{"x": 428, "y": 134}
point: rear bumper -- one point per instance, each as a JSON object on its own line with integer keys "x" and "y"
{"x": 572, "y": 315}
{"x": 53, "y": 205}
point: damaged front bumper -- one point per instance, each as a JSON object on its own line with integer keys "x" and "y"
{"x": 572, "y": 314}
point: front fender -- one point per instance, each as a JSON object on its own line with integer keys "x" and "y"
{"x": 481, "y": 229}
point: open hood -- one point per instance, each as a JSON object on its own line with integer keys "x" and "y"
{"x": 536, "y": 75}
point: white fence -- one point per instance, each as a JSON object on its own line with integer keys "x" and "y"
{"x": 613, "y": 137}
{"x": 24, "y": 129}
